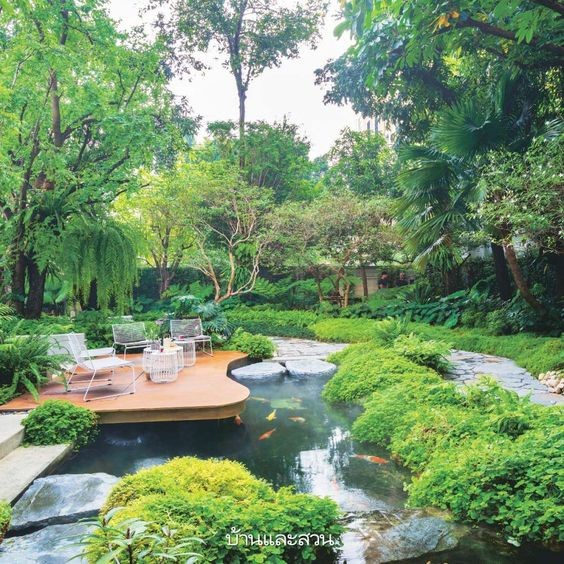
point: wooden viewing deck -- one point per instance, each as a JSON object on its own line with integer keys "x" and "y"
{"x": 202, "y": 391}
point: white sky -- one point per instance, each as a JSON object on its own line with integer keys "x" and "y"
{"x": 285, "y": 91}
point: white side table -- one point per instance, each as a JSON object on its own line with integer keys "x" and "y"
{"x": 163, "y": 366}
{"x": 189, "y": 348}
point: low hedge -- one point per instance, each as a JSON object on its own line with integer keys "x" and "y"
{"x": 258, "y": 347}
{"x": 487, "y": 454}
{"x": 212, "y": 499}
{"x": 536, "y": 354}
{"x": 266, "y": 321}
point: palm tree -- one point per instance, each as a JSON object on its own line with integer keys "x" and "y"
{"x": 440, "y": 182}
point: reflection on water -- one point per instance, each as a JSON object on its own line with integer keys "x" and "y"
{"x": 313, "y": 453}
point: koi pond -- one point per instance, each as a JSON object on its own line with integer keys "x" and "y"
{"x": 289, "y": 436}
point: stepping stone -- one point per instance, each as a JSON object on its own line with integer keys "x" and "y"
{"x": 61, "y": 499}
{"x": 57, "y": 544}
{"x": 260, "y": 370}
{"x": 310, "y": 367}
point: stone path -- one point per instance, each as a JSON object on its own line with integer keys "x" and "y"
{"x": 295, "y": 349}
{"x": 467, "y": 367}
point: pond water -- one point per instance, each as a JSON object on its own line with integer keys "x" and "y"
{"x": 315, "y": 453}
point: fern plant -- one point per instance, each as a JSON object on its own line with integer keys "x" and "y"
{"x": 24, "y": 362}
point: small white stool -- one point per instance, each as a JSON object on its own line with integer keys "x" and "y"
{"x": 163, "y": 366}
{"x": 189, "y": 348}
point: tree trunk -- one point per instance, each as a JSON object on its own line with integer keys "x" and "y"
{"x": 92, "y": 302}
{"x": 18, "y": 284}
{"x": 164, "y": 280}
{"x": 519, "y": 279}
{"x": 501, "y": 272}
{"x": 364, "y": 282}
{"x": 36, "y": 279}
{"x": 242, "y": 101}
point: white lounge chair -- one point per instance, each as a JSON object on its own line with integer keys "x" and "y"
{"x": 60, "y": 345}
{"x": 130, "y": 336}
{"x": 191, "y": 330}
{"x": 95, "y": 366}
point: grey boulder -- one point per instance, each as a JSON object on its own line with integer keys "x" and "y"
{"x": 260, "y": 370}
{"x": 390, "y": 537}
{"x": 61, "y": 499}
{"x": 310, "y": 367}
{"x": 56, "y": 544}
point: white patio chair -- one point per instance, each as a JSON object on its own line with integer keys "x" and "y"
{"x": 60, "y": 345}
{"x": 130, "y": 336}
{"x": 192, "y": 330}
{"x": 99, "y": 365}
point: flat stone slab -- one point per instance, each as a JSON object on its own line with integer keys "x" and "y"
{"x": 399, "y": 535}
{"x": 288, "y": 348}
{"x": 57, "y": 544}
{"x": 260, "y": 370}
{"x": 24, "y": 464}
{"x": 310, "y": 367}
{"x": 11, "y": 432}
{"x": 61, "y": 499}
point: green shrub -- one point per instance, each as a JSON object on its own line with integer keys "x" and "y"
{"x": 212, "y": 499}
{"x": 267, "y": 321}
{"x": 137, "y": 541}
{"x": 5, "y": 517}
{"x": 388, "y": 330}
{"x": 432, "y": 354}
{"x": 372, "y": 368}
{"x": 344, "y": 330}
{"x": 24, "y": 362}
{"x": 256, "y": 346}
{"x": 499, "y": 481}
{"x": 56, "y": 422}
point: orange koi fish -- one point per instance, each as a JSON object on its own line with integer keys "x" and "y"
{"x": 297, "y": 419}
{"x": 267, "y": 435}
{"x": 373, "y": 459}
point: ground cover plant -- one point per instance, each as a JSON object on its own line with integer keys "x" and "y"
{"x": 258, "y": 347}
{"x": 485, "y": 453}
{"x": 211, "y": 499}
{"x": 58, "y": 421}
{"x": 5, "y": 516}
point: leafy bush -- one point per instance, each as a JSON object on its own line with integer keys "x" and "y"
{"x": 267, "y": 321}
{"x": 137, "y": 541}
{"x": 24, "y": 362}
{"x": 96, "y": 326}
{"x": 344, "y": 330}
{"x": 209, "y": 499}
{"x": 256, "y": 346}
{"x": 5, "y": 517}
{"x": 487, "y": 454}
{"x": 388, "y": 330}
{"x": 432, "y": 354}
{"x": 372, "y": 368}
{"x": 56, "y": 422}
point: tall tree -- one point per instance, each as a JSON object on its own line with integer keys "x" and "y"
{"x": 159, "y": 213}
{"x": 276, "y": 156}
{"x": 80, "y": 104}
{"x": 251, "y": 35}
{"x": 362, "y": 162}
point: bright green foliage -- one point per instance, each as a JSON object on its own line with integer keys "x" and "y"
{"x": 24, "y": 362}
{"x": 389, "y": 329}
{"x": 374, "y": 367}
{"x": 487, "y": 454}
{"x": 5, "y": 516}
{"x": 267, "y": 321}
{"x": 256, "y": 346}
{"x": 208, "y": 498}
{"x": 426, "y": 353}
{"x": 363, "y": 163}
{"x": 80, "y": 103}
{"x": 57, "y": 422}
{"x": 344, "y": 330}
{"x": 135, "y": 540}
